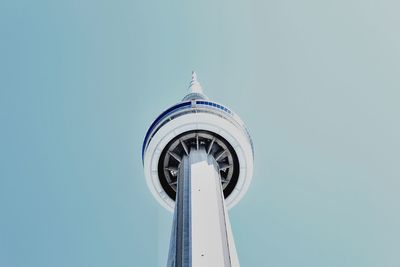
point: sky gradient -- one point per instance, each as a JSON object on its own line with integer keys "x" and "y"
{"x": 316, "y": 82}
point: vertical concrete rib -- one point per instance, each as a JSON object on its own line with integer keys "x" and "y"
{"x": 201, "y": 234}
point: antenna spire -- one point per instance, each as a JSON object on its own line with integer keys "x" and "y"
{"x": 195, "y": 86}
{"x": 195, "y": 90}
{"x": 194, "y": 76}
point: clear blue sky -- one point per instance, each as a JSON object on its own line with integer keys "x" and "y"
{"x": 317, "y": 83}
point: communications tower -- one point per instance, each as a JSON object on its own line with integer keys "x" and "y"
{"x": 198, "y": 162}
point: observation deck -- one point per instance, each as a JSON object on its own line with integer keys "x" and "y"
{"x": 196, "y": 123}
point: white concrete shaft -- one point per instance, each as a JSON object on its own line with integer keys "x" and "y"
{"x": 201, "y": 234}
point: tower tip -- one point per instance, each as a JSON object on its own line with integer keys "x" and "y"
{"x": 194, "y": 76}
{"x": 195, "y": 86}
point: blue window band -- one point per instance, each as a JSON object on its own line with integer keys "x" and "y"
{"x": 174, "y": 108}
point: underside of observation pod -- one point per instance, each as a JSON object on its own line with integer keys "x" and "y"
{"x": 193, "y": 124}
{"x": 181, "y": 145}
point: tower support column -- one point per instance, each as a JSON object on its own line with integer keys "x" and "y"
{"x": 201, "y": 234}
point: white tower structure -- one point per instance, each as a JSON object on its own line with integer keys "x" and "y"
{"x": 198, "y": 162}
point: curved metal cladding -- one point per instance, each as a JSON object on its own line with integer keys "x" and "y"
{"x": 194, "y": 106}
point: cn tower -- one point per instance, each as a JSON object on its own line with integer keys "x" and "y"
{"x": 198, "y": 162}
